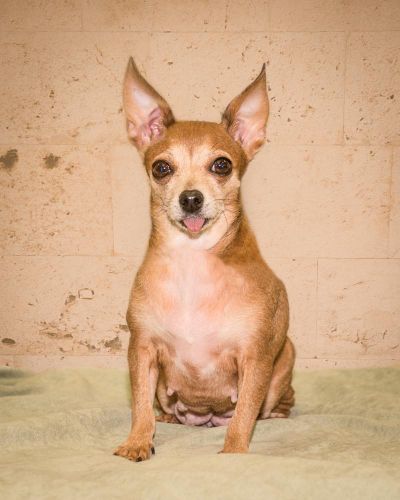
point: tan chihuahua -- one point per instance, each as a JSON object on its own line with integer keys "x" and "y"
{"x": 208, "y": 318}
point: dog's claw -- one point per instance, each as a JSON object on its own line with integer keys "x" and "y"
{"x": 137, "y": 453}
{"x": 153, "y": 451}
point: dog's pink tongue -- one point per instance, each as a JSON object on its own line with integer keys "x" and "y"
{"x": 194, "y": 224}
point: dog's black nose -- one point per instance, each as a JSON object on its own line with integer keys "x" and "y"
{"x": 191, "y": 201}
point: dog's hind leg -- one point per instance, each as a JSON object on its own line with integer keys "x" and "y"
{"x": 282, "y": 410}
{"x": 280, "y": 397}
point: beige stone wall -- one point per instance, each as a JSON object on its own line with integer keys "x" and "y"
{"x": 323, "y": 195}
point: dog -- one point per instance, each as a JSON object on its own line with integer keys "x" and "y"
{"x": 208, "y": 318}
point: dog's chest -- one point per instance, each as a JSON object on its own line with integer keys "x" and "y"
{"x": 198, "y": 307}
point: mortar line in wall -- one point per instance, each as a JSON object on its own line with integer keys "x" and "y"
{"x": 311, "y": 257}
{"x": 269, "y": 17}
{"x": 335, "y": 358}
{"x": 172, "y": 32}
{"x": 389, "y": 218}
{"x": 356, "y": 258}
{"x": 268, "y": 144}
{"x": 111, "y": 184}
{"x": 122, "y": 356}
{"x": 65, "y": 355}
{"x": 316, "y": 334}
{"x": 346, "y": 46}
{"x": 81, "y": 12}
{"x": 46, "y": 255}
{"x": 131, "y": 255}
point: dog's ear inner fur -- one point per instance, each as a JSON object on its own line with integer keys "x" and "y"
{"x": 147, "y": 113}
{"x": 246, "y": 116}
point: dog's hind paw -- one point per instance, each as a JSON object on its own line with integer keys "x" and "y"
{"x": 167, "y": 419}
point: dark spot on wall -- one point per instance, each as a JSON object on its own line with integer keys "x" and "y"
{"x": 71, "y": 298}
{"x": 8, "y": 341}
{"x": 68, "y": 336}
{"x": 9, "y": 159}
{"x": 69, "y": 169}
{"x": 51, "y": 161}
{"x": 90, "y": 347}
{"x": 51, "y": 94}
{"x": 50, "y": 333}
{"x": 113, "y": 344}
{"x": 124, "y": 328}
{"x": 53, "y": 330}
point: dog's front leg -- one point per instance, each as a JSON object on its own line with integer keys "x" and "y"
{"x": 143, "y": 374}
{"x": 255, "y": 377}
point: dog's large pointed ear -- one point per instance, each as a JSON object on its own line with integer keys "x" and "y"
{"x": 246, "y": 116}
{"x": 147, "y": 113}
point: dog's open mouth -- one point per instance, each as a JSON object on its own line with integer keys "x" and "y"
{"x": 194, "y": 224}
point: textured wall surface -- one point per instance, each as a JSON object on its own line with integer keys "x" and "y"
{"x": 323, "y": 195}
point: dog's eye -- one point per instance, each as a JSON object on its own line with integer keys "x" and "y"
{"x": 221, "y": 166}
{"x": 161, "y": 169}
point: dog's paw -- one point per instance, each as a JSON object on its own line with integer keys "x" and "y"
{"x": 135, "y": 451}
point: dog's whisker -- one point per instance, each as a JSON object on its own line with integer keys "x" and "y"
{"x": 226, "y": 220}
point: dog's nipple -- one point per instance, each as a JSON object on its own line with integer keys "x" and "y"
{"x": 170, "y": 391}
{"x": 234, "y": 396}
{"x": 181, "y": 407}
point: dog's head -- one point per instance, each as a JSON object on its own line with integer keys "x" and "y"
{"x": 195, "y": 168}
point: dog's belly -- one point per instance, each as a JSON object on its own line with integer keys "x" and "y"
{"x": 198, "y": 372}
{"x": 199, "y": 314}
{"x": 196, "y": 397}
{"x": 198, "y": 367}
{"x": 198, "y": 378}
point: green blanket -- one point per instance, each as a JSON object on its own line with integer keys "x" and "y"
{"x": 58, "y": 430}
